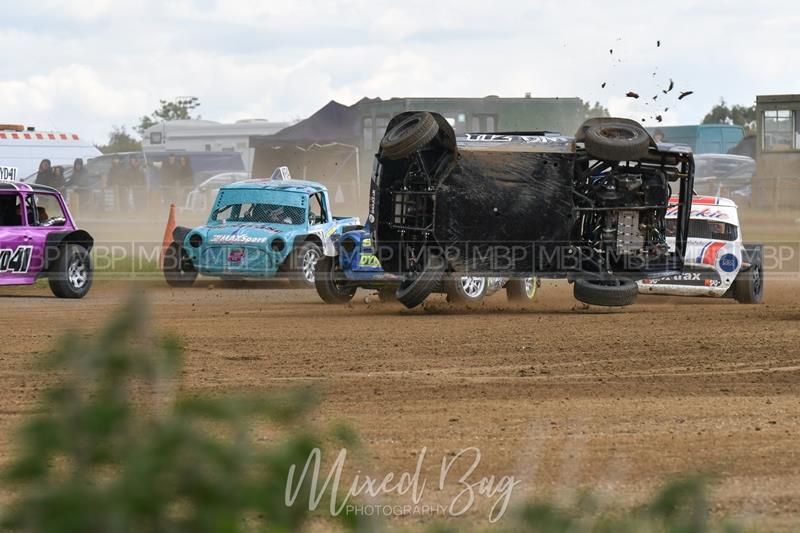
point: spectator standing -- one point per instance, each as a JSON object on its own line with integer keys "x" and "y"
{"x": 118, "y": 179}
{"x": 57, "y": 178}
{"x": 137, "y": 181}
{"x": 79, "y": 177}
{"x": 45, "y": 174}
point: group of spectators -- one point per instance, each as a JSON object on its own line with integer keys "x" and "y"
{"x": 53, "y": 176}
{"x": 129, "y": 179}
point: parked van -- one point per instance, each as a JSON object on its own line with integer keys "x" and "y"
{"x": 703, "y": 138}
{"x": 22, "y": 149}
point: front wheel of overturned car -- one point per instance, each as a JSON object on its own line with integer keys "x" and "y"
{"x": 522, "y": 290}
{"x": 610, "y": 292}
{"x": 303, "y": 266}
{"x": 178, "y": 268}
{"x": 616, "y": 141}
{"x": 409, "y": 135}
{"x": 748, "y": 287}
{"x": 331, "y": 283}
{"x": 413, "y": 290}
{"x": 73, "y": 274}
{"x": 466, "y": 289}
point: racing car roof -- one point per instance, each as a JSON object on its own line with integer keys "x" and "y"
{"x": 301, "y": 186}
{"x": 708, "y": 208}
{"x": 25, "y": 187}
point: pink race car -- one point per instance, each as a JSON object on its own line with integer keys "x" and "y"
{"x": 38, "y": 238}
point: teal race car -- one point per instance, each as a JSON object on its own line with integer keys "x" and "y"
{"x": 258, "y": 229}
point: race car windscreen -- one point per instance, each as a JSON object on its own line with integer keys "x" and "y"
{"x": 706, "y": 229}
{"x": 260, "y": 213}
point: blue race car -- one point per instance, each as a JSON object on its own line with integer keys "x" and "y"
{"x": 353, "y": 263}
{"x": 258, "y": 229}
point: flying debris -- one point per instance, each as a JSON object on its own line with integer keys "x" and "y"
{"x": 655, "y": 97}
{"x": 659, "y": 118}
{"x": 632, "y": 94}
{"x": 666, "y": 109}
{"x": 603, "y": 86}
{"x": 658, "y": 44}
{"x": 611, "y": 51}
{"x": 685, "y": 94}
{"x": 643, "y": 120}
{"x": 671, "y": 86}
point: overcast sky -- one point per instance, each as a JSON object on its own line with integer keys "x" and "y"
{"x": 85, "y": 65}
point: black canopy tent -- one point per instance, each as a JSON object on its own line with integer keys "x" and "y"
{"x": 324, "y": 148}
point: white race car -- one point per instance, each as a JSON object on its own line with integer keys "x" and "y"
{"x": 717, "y": 262}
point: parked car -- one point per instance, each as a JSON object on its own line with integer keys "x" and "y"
{"x": 352, "y": 264}
{"x": 39, "y": 239}
{"x": 590, "y": 208}
{"x": 258, "y": 229}
{"x": 201, "y": 197}
{"x": 724, "y": 175}
{"x": 718, "y": 263}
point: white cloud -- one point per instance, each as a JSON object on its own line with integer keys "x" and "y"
{"x": 87, "y": 64}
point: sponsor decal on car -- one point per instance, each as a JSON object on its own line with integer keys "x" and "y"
{"x": 369, "y": 260}
{"x": 237, "y": 239}
{"x": 728, "y": 263}
{"x": 15, "y": 261}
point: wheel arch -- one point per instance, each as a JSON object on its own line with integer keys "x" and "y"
{"x": 55, "y": 242}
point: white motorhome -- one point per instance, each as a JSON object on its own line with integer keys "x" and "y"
{"x": 206, "y": 135}
{"x": 22, "y": 149}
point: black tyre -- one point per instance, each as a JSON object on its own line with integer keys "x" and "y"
{"x": 72, "y": 276}
{"x": 409, "y": 135}
{"x": 178, "y": 268}
{"x": 522, "y": 290}
{"x": 612, "y": 292}
{"x": 331, "y": 283}
{"x": 466, "y": 289}
{"x": 303, "y": 265}
{"x": 748, "y": 287}
{"x": 413, "y": 290}
{"x": 616, "y": 142}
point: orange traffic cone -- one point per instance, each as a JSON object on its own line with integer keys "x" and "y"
{"x": 168, "y": 233}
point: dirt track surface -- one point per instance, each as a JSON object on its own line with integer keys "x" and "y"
{"x": 559, "y": 395}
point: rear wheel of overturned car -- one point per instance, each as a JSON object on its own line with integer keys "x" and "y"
{"x": 616, "y": 142}
{"x": 466, "y": 289}
{"x": 409, "y": 135}
{"x": 748, "y": 287}
{"x": 178, "y": 268}
{"x": 73, "y": 274}
{"x": 303, "y": 267}
{"x": 522, "y": 290}
{"x": 331, "y": 282}
{"x": 611, "y": 292}
{"x": 418, "y": 285}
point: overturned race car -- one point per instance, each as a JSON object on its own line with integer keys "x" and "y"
{"x": 258, "y": 229}
{"x": 589, "y": 208}
{"x": 718, "y": 263}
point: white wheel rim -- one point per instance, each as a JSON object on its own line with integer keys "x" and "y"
{"x": 310, "y": 260}
{"x": 530, "y": 288}
{"x": 77, "y": 274}
{"x": 472, "y": 286}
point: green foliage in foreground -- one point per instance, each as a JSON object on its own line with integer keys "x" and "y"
{"x": 680, "y": 506}
{"x": 116, "y": 448}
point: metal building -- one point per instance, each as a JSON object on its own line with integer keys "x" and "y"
{"x": 777, "y": 182}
